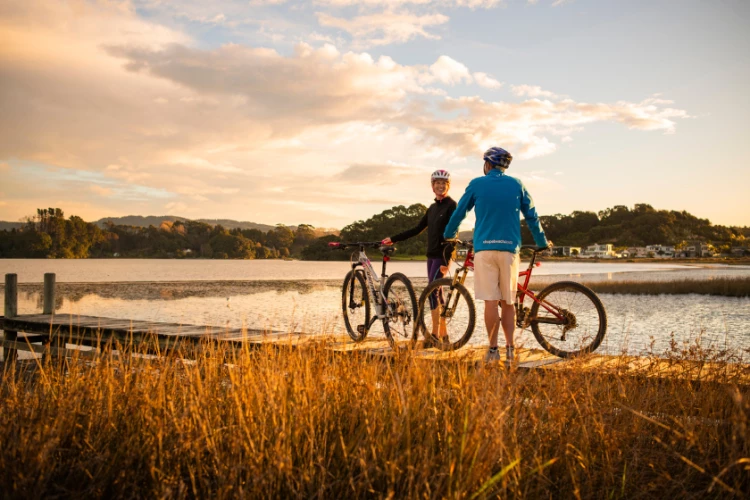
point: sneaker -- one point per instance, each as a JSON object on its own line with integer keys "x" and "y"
{"x": 492, "y": 356}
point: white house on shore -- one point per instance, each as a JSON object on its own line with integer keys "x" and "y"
{"x": 566, "y": 251}
{"x": 605, "y": 251}
{"x": 661, "y": 250}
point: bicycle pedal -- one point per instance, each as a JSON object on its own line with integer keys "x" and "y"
{"x": 361, "y": 329}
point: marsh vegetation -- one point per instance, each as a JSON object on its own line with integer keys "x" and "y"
{"x": 312, "y": 423}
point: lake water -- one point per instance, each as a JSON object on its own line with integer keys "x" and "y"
{"x": 306, "y": 296}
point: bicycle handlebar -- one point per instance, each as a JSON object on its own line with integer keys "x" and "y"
{"x": 460, "y": 243}
{"x": 534, "y": 248}
{"x": 342, "y": 246}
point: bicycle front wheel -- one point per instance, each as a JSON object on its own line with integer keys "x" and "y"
{"x": 451, "y": 323}
{"x": 571, "y": 321}
{"x": 402, "y": 309}
{"x": 355, "y": 303}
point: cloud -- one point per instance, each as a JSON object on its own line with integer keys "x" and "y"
{"x": 177, "y": 207}
{"x": 528, "y": 127}
{"x": 225, "y": 130}
{"x": 486, "y": 81}
{"x": 555, "y": 3}
{"x": 385, "y": 28}
{"x": 379, "y": 174}
{"x": 473, "y": 4}
{"x": 100, "y": 190}
{"x": 449, "y": 71}
{"x": 531, "y": 91}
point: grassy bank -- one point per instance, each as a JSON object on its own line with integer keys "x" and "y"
{"x": 315, "y": 424}
{"x": 728, "y": 287}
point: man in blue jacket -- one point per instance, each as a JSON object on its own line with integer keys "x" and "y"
{"x": 498, "y": 201}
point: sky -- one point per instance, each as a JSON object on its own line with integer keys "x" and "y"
{"x": 324, "y": 112}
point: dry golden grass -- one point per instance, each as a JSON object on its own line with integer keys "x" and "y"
{"x": 312, "y": 423}
{"x": 728, "y": 287}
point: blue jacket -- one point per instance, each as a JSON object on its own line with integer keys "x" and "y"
{"x": 498, "y": 200}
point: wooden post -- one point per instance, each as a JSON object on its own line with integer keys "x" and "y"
{"x": 49, "y": 308}
{"x": 49, "y": 293}
{"x": 11, "y": 311}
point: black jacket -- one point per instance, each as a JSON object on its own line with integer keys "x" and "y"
{"x": 434, "y": 220}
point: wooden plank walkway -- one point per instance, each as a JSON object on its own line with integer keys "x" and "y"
{"x": 47, "y": 333}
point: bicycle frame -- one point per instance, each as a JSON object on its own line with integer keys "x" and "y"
{"x": 371, "y": 276}
{"x": 524, "y": 277}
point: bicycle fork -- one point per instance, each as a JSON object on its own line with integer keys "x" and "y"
{"x": 448, "y": 308}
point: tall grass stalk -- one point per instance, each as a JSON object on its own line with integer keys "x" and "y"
{"x": 277, "y": 422}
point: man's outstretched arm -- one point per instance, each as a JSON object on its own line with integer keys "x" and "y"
{"x": 532, "y": 219}
{"x": 465, "y": 204}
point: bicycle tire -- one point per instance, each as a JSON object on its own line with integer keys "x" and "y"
{"x": 399, "y": 325}
{"x": 465, "y": 321}
{"x": 354, "y": 281}
{"x": 589, "y": 318}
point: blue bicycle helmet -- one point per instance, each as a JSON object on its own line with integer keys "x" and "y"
{"x": 498, "y": 157}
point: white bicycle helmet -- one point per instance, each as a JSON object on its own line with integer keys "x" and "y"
{"x": 442, "y": 175}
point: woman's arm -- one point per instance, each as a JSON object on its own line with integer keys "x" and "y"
{"x": 421, "y": 226}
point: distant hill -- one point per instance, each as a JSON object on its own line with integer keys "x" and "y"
{"x": 7, "y": 226}
{"x": 156, "y": 220}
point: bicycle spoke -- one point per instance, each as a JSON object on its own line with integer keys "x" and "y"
{"x": 401, "y": 309}
{"x": 356, "y": 306}
{"x": 402, "y": 319}
{"x": 583, "y": 320}
{"x": 446, "y": 314}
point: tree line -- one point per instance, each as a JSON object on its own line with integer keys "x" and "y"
{"x": 642, "y": 225}
{"x": 49, "y": 234}
{"x": 620, "y": 225}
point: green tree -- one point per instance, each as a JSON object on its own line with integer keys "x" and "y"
{"x": 280, "y": 237}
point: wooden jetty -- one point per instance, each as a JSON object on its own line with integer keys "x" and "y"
{"x": 65, "y": 335}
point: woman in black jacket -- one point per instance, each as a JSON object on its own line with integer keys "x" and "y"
{"x": 438, "y": 251}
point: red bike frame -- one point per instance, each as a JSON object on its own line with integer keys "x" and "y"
{"x": 524, "y": 277}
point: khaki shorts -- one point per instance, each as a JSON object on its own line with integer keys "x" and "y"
{"x": 496, "y": 275}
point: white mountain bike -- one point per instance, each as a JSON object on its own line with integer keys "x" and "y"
{"x": 393, "y": 296}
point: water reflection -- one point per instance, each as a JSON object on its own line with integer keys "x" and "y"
{"x": 637, "y": 324}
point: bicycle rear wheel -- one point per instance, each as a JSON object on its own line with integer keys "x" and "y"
{"x": 402, "y": 310}
{"x": 355, "y": 302}
{"x": 583, "y": 324}
{"x": 455, "y": 314}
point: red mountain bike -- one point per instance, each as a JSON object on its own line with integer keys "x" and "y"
{"x": 566, "y": 317}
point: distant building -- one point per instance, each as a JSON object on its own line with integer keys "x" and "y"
{"x": 605, "y": 251}
{"x": 661, "y": 250}
{"x": 566, "y": 251}
{"x": 635, "y": 252}
{"x": 695, "y": 249}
